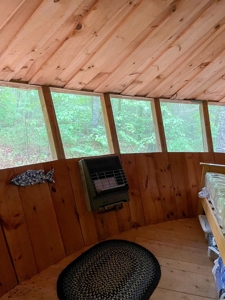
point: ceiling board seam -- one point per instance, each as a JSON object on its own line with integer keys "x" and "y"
{"x": 63, "y": 42}
{"x": 108, "y": 36}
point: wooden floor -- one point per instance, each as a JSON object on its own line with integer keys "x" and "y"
{"x": 180, "y": 247}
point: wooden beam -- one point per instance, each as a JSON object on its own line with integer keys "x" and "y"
{"x": 206, "y": 129}
{"x": 110, "y": 124}
{"x": 158, "y": 123}
{"x": 51, "y": 123}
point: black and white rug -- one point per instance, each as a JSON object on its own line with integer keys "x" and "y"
{"x": 113, "y": 269}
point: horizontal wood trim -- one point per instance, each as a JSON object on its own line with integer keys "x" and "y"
{"x": 76, "y": 92}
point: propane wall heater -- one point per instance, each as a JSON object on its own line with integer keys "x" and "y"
{"x": 105, "y": 184}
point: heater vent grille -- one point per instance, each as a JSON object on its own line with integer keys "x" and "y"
{"x": 105, "y": 184}
{"x": 108, "y": 180}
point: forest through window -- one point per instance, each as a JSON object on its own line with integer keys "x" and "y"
{"x": 81, "y": 124}
{"x": 217, "y": 122}
{"x": 24, "y": 138}
{"x": 23, "y": 135}
{"x": 134, "y": 125}
{"x": 182, "y": 125}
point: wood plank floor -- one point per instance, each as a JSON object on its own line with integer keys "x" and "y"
{"x": 179, "y": 246}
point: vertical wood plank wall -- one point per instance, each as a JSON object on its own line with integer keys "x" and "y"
{"x": 44, "y": 223}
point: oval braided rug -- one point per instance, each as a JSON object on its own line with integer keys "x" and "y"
{"x": 113, "y": 269}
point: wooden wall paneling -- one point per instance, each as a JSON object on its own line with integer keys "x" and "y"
{"x": 8, "y": 277}
{"x": 148, "y": 188}
{"x": 155, "y": 192}
{"x": 41, "y": 220}
{"x": 135, "y": 203}
{"x": 110, "y": 124}
{"x": 164, "y": 180}
{"x": 124, "y": 218}
{"x": 15, "y": 228}
{"x": 179, "y": 179}
{"x": 158, "y": 123}
{"x": 54, "y": 136}
{"x": 192, "y": 169}
{"x": 206, "y": 129}
{"x": 86, "y": 218}
{"x": 124, "y": 215}
{"x": 106, "y": 224}
{"x": 65, "y": 206}
{"x": 219, "y": 158}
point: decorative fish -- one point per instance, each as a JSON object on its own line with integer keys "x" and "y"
{"x": 31, "y": 177}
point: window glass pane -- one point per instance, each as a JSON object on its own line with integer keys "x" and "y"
{"x": 217, "y": 122}
{"x": 23, "y": 135}
{"x": 182, "y": 127}
{"x": 134, "y": 124}
{"x": 81, "y": 124}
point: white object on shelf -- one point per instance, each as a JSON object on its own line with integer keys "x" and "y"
{"x": 204, "y": 223}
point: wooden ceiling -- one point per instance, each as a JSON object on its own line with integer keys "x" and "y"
{"x": 154, "y": 48}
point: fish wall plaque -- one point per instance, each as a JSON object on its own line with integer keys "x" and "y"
{"x": 31, "y": 177}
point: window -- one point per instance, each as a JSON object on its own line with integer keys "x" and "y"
{"x": 81, "y": 124}
{"x": 135, "y": 126}
{"x": 23, "y": 135}
{"x": 217, "y": 122}
{"x": 182, "y": 127}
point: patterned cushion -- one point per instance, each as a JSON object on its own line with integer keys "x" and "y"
{"x": 113, "y": 269}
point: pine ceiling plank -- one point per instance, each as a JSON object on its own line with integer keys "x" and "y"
{"x": 215, "y": 91}
{"x": 222, "y": 101}
{"x": 46, "y": 51}
{"x": 39, "y": 28}
{"x": 159, "y": 41}
{"x": 187, "y": 43}
{"x": 119, "y": 45}
{"x": 16, "y": 22}
{"x": 209, "y": 75}
{"x": 193, "y": 65}
{"x": 112, "y": 65}
{"x": 8, "y": 9}
{"x": 83, "y": 43}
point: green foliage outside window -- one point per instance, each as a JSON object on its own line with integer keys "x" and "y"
{"x": 24, "y": 140}
{"x": 23, "y": 136}
{"x": 81, "y": 124}
{"x": 217, "y": 122}
{"x": 182, "y": 127}
{"x": 134, "y": 125}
